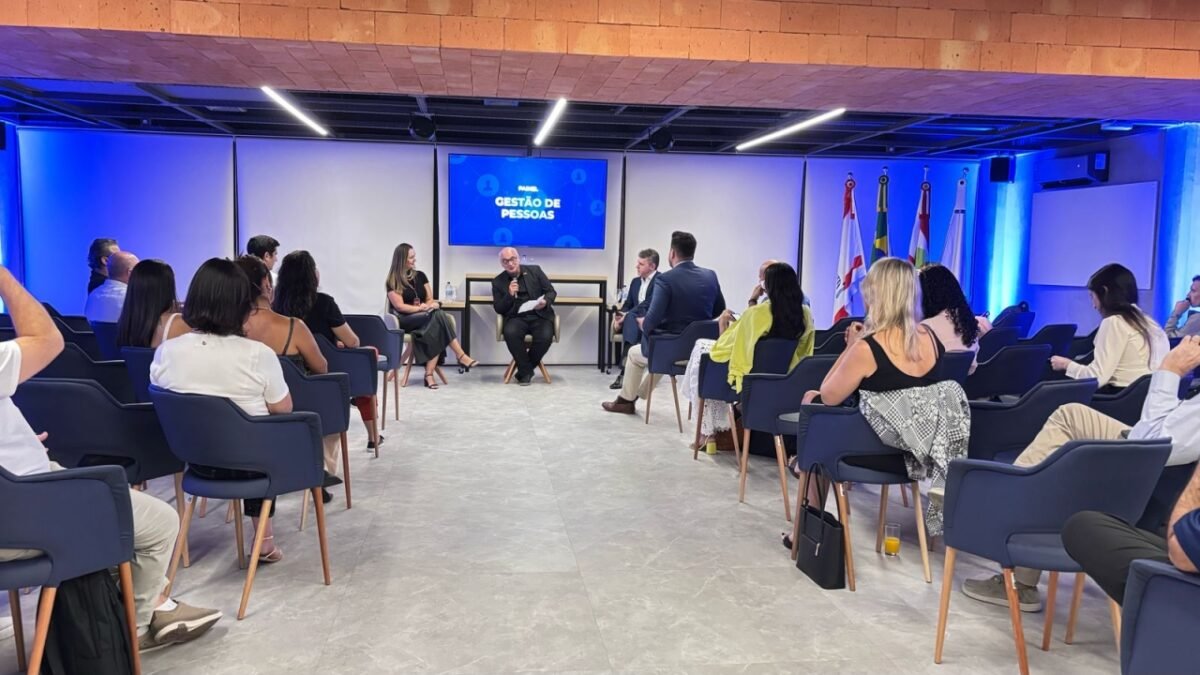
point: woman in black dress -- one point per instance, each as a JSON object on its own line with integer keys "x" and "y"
{"x": 410, "y": 298}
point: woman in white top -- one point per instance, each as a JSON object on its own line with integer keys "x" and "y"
{"x": 151, "y": 312}
{"x": 1128, "y": 344}
{"x": 215, "y": 359}
{"x": 947, "y": 313}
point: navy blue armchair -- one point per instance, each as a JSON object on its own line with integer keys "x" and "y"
{"x": 839, "y": 326}
{"x": 106, "y": 340}
{"x": 764, "y": 398}
{"x": 285, "y": 450}
{"x": 85, "y": 339}
{"x": 328, "y": 396}
{"x": 834, "y": 344}
{"x": 1014, "y": 515}
{"x": 1012, "y": 371}
{"x": 1125, "y": 405}
{"x": 76, "y": 323}
{"x": 362, "y": 367}
{"x": 955, "y": 366}
{"x": 1001, "y": 431}
{"x": 771, "y": 355}
{"x": 82, "y": 521}
{"x": 373, "y": 332}
{"x": 74, "y": 364}
{"x": 137, "y": 368}
{"x": 1082, "y": 345}
{"x": 1057, "y": 335}
{"x": 1016, "y": 316}
{"x": 1159, "y": 620}
{"x": 668, "y": 355}
{"x": 994, "y": 340}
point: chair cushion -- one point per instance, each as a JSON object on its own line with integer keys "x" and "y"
{"x": 247, "y": 488}
{"x": 25, "y": 573}
{"x": 861, "y": 474}
{"x": 1042, "y": 552}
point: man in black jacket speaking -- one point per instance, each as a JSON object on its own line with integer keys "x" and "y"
{"x": 524, "y": 287}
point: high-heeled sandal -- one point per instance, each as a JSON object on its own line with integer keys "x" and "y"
{"x": 431, "y": 382}
{"x": 464, "y": 367}
{"x": 274, "y": 556}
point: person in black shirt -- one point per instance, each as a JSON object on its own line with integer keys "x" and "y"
{"x": 513, "y": 287}
{"x": 98, "y": 254}
{"x": 410, "y": 299}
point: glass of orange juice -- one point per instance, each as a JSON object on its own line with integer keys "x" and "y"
{"x": 891, "y": 539}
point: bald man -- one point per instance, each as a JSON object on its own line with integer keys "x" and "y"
{"x": 512, "y": 288}
{"x": 104, "y": 304}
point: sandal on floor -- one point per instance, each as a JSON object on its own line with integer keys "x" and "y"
{"x": 274, "y": 556}
{"x": 787, "y": 541}
{"x": 431, "y": 382}
{"x": 468, "y": 366}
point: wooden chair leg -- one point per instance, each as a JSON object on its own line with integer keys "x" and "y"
{"x": 1048, "y": 626}
{"x": 904, "y": 498}
{"x": 125, "y": 570}
{"x": 203, "y": 507}
{"x": 699, "y": 421}
{"x": 744, "y": 461}
{"x": 841, "y": 492}
{"x": 678, "y": 413}
{"x": 737, "y": 448}
{"x": 781, "y": 460}
{"x": 508, "y": 374}
{"x": 45, "y": 607}
{"x": 346, "y": 469}
{"x": 321, "y": 537}
{"x": 396, "y": 391}
{"x": 883, "y": 497}
{"x": 14, "y": 605}
{"x": 303, "y": 509}
{"x": 237, "y": 528}
{"x": 180, "y": 543}
{"x": 545, "y": 373}
{"x": 179, "y": 506}
{"x": 921, "y": 539}
{"x": 383, "y": 417}
{"x": 375, "y": 429}
{"x": 689, "y": 410}
{"x": 255, "y": 551}
{"x": 944, "y": 605}
{"x": 799, "y": 514}
{"x": 1076, "y": 596}
{"x": 408, "y": 364}
{"x": 1114, "y": 611}
{"x": 229, "y": 513}
{"x": 1014, "y": 613}
{"x": 649, "y": 395}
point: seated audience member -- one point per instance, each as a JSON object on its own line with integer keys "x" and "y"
{"x": 1163, "y": 416}
{"x": 1184, "y": 310}
{"x": 150, "y": 314}
{"x": 511, "y": 289}
{"x": 637, "y": 301}
{"x": 161, "y": 621}
{"x": 104, "y": 304}
{"x": 785, "y": 316}
{"x": 216, "y": 359}
{"x": 1128, "y": 344}
{"x": 297, "y": 295}
{"x": 290, "y": 339}
{"x": 684, "y": 294}
{"x": 891, "y": 362}
{"x": 410, "y": 299}
{"x": 266, "y": 249}
{"x": 947, "y": 313}
{"x": 98, "y": 254}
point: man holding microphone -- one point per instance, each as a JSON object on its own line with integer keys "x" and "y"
{"x": 511, "y": 289}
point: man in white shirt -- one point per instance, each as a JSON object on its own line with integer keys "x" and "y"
{"x": 1164, "y": 415}
{"x": 161, "y": 620}
{"x": 105, "y": 303}
{"x": 636, "y": 304}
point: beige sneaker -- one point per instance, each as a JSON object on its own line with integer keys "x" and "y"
{"x": 991, "y": 591}
{"x": 182, "y": 624}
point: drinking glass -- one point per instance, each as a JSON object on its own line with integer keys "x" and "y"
{"x": 891, "y": 539}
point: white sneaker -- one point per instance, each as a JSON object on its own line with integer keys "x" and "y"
{"x": 6, "y": 627}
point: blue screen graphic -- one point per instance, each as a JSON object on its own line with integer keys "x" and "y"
{"x": 527, "y": 201}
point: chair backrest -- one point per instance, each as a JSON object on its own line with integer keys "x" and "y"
{"x": 97, "y": 429}
{"x": 765, "y": 397}
{"x": 666, "y": 349}
{"x": 1013, "y": 371}
{"x": 1158, "y": 619}
{"x": 137, "y": 368}
{"x": 1006, "y": 429}
{"x": 106, "y": 340}
{"x": 773, "y": 355}
{"x": 1057, "y": 335}
{"x": 834, "y": 343}
{"x": 6, "y": 321}
{"x": 1125, "y": 405}
{"x": 359, "y": 364}
{"x": 1082, "y": 344}
{"x": 955, "y": 366}
{"x": 74, "y": 364}
{"x": 85, "y": 339}
{"x": 7, "y": 334}
{"x": 1018, "y": 316}
{"x": 326, "y": 395}
{"x": 372, "y": 331}
{"x": 839, "y": 326}
{"x": 829, "y": 434}
{"x": 994, "y": 340}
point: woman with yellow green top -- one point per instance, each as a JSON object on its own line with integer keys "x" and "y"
{"x": 784, "y": 316}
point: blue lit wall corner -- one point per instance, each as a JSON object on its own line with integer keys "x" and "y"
{"x": 1000, "y": 257}
{"x": 1178, "y": 246}
{"x": 11, "y": 248}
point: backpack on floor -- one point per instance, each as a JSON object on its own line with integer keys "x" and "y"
{"x": 88, "y": 634}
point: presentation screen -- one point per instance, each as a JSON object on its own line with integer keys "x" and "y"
{"x": 527, "y": 201}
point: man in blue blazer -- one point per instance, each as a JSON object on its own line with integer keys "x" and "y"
{"x": 685, "y": 294}
{"x": 637, "y": 302}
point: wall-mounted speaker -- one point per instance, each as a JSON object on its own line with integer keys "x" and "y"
{"x": 1002, "y": 170}
{"x": 661, "y": 140}
{"x": 421, "y": 127}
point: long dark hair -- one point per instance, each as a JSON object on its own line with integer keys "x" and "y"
{"x": 256, "y": 273}
{"x": 1116, "y": 290}
{"x": 787, "y": 301}
{"x": 941, "y": 292}
{"x": 296, "y": 287}
{"x": 218, "y": 300}
{"x": 151, "y": 292}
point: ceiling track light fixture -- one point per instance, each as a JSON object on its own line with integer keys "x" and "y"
{"x": 296, "y": 112}
{"x": 788, "y": 130}
{"x": 548, "y": 125}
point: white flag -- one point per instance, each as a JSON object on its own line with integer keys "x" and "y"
{"x": 847, "y": 300}
{"x": 952, "y": 253}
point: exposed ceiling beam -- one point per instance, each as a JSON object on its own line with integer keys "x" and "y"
{"x": 662, "y": 122}
{"x": 166, "y": 99}
{"x": 19, "y": 93}
{"x": 1019, "y": 132}
{"x": 910, "y": 122}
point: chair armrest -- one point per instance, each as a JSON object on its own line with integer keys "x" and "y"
{"x": 1157, "y": 617}
{"x": 327, "y": 395}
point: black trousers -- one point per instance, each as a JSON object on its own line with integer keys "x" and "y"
{"x": 515, "y": 330}
{"x": 253, "y": 506}
{"x": 1106, "y": 546}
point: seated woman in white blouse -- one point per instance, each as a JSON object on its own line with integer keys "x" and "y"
{"x": 1128, "y": 344}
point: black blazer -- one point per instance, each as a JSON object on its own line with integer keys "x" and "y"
{"x": 534, "y": 281}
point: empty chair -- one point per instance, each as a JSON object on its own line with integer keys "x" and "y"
{"x": 137, "y": 367}
{"x": 994, "y": 340}
{"x": 361, "y": 365}
{"x": 1082, "y": 345}
{"x": 1057, "y": 335}
{"x": 835, "y": 343}
{"x": 106, "y": 340}
{"x": 75, "y": 322}
{"x": 1001, "y": 431}
{"x": 1158, "y": 620}
{"x": 668, "y": 354}
{"x": 839, "y": 326}
{"x": 74, "y": 364}
{"x": 1011, "y": 372}
{"x": 512, "y": 364}
{"x": 284, "y": 449}
{"x": 955, "y": 366}
{"x": 1016, "y": 316}
{"x": 83, "y": 521}
{"x": 84, "y": 339}
{"x": 373, "y": 332}
{"x": 1014, "y": 515}
{"x": 328, "y": 396}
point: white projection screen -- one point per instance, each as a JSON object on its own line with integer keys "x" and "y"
{"x": 1076, "y": 232}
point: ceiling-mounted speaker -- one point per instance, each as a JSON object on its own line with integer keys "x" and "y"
{"x": 661, "y": 140}
{"x": 421, "y": 127}
{"x": 1001, "y": 170}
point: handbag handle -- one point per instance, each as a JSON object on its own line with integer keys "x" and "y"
{"x": 821, "y": 472}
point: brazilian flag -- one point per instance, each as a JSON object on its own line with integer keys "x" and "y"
{"x": 881, "y": 249}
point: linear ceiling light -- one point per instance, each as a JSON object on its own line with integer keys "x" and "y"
{"x": 799, "y": 126}
{"x": 296, "y": 112}
{"x": 556, "y": 112}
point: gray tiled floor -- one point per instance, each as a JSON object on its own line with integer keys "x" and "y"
{"x": 522, "y": 530}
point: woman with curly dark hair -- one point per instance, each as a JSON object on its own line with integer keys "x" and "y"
{"x": 947, "y": 313}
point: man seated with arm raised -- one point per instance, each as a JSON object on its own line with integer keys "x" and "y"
{"x": 637, "y": 302}
{"x": 683, "y": 295}
{"x": 512, "y": 288}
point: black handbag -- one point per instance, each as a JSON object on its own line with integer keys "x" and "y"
{"x": 820, "y": 543}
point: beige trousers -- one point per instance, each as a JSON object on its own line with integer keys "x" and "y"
{"x": 333, "y": 448}
{"x": 637, "y": 383}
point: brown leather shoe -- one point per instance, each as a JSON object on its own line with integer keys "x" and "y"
{"x": 619, "y": 406}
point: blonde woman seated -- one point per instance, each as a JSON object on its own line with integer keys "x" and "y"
{"x": 410, "y": 299}
{"x": 784, "y": 316}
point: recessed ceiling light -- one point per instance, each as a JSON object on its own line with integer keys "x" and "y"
{"x": 799, "y": 126}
